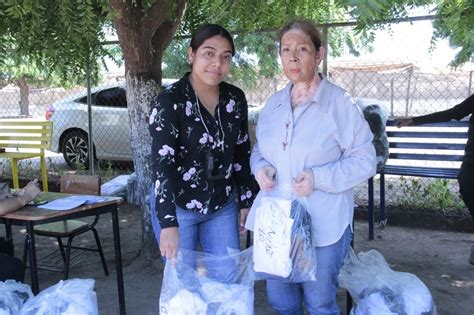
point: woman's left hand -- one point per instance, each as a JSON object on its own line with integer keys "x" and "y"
{"x": 303, "y": 184}
{"x": 244, "y": 212}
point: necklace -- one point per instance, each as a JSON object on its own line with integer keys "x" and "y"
{"x": 220, "y": 130}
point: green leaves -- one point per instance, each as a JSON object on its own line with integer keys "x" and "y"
{"x": 456, "y": 22}
{"x": 455, "y": 19}
{"x": 61, "y": 36}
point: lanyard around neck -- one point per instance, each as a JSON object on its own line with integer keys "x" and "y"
{"x": 219, "y": 130}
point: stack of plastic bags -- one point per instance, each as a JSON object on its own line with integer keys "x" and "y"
{"x": 378, "y": 290}
{"x": 198, "y": 283}
{"x": 69, "y": 297}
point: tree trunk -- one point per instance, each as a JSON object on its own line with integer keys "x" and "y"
{"x": 24, "y": 96}
{"x": 140, "y": 93}
{"x": 143, "y": 36}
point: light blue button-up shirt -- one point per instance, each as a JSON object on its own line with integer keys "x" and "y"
{"x": 330, "y": 136}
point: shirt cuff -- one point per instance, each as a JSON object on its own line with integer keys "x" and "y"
{"x": 168, "y": 223}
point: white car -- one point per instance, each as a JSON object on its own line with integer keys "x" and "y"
{"x": 110, "y": 127}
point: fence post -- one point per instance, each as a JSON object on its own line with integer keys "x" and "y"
{"x": 325, "y": 57}
{"x": 392, "y": 82}
{"x": 90, "y": 144}
{"x": 470, "y": 84}
{"x": 407, "y": 105}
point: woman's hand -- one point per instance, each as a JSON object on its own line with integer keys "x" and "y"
{"x": 169, "y": 240}
{"x": 244, "y": 212}
{"x": 266, "y": 177}
{"x": 402, "y": 122}
{"x": 303, "y": 184}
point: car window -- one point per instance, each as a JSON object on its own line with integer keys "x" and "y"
{"x": 114, "y": 97}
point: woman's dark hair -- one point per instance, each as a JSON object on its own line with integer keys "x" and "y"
{"x": 207, "y": 31}
{"x": 306, "y": 27}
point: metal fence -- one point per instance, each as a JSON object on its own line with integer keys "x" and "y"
{"x": 403, "y": 86}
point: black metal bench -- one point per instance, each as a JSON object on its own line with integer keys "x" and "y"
{"x": 408, "y": 144}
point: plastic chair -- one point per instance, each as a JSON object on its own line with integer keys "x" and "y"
{"x": 74, "y": 184}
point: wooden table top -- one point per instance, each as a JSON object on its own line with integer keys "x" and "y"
{"x": 33, "y": 213}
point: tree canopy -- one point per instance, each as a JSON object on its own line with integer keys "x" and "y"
{"x": 66, "y": 35}
{"x": 454, "y": 19}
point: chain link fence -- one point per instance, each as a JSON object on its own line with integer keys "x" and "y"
{"x": 402, "y": 86}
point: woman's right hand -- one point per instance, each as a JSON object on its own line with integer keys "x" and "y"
{"x": 169, "y": 240}
{"x": 266, "y": 177}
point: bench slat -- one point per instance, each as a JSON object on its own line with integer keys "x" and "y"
{"x": 425, "y": 157}
{"x": 427, "y": 134}
{"x": 26, "y": 145}
{"x": 452, "y": 123}
{"x": 13, "y": 131}
{"x": 424, "y": 145}
{"x": 3, "y": 139}
{"x": 25, "y": 123}
{"x": 420, "y": 171}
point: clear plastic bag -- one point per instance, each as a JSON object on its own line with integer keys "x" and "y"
{"x": 69, "y": 297}
{"x": 378, "y": 290}
{"x": 283, "y": 240}
{"x": 12, "y": 296}
{"x": 198, "y": 283}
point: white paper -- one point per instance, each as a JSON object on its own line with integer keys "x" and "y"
{"x": 71, "y": 202}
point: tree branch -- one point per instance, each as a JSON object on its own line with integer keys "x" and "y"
{"x": 155, "y": 16}
{"x": 167, "y": 29}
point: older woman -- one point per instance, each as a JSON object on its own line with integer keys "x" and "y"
{"x": 312, "y": 136}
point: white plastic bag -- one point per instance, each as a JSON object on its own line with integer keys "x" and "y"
{"x": 378, "y": 290}
{"x": 272, "y": 241}
{"x": 197, "y": 283}
{"x": 12, "y": 296}
{"x": 283, "y": 240}
{"x": 69, "y": 297}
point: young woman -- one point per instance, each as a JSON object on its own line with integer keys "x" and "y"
{"x": 201, "y": 152}
{"x": 313, "y": 138}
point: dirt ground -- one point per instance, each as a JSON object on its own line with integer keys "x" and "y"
{"x": 438, "y": 258}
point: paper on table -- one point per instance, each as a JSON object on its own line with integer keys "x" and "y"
{"x": 71, "y": 202}
{"x": 88, "y": 199}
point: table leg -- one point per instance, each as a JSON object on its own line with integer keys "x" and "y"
{"x": 8, "y": 231}
{"x": 32, "y": 254}
{"x": 118, "y": 259}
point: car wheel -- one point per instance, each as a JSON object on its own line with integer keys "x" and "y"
{"x": 75, "y": 149}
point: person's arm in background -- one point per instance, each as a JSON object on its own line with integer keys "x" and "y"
{"x": 19, "y": 198}
{"x": 163, "y": 125}
{"x": 457, "y": 112}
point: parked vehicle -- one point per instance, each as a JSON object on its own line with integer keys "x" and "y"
{"x": 110, "y": 127}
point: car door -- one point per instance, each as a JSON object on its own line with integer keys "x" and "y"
{"x": 110, "y": 124}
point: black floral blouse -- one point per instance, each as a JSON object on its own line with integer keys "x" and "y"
{"x": 185, "y": 137}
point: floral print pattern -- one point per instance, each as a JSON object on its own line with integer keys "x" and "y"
{"x": 181, "y": 143}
